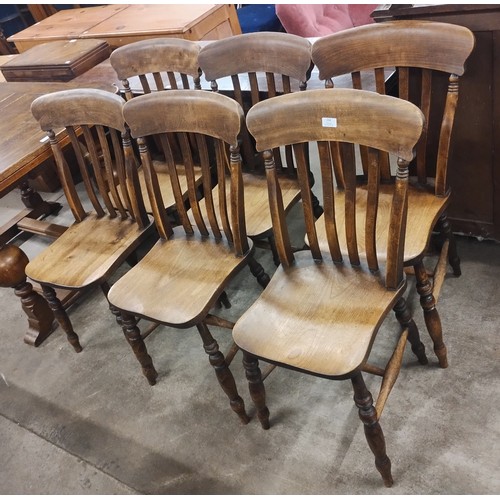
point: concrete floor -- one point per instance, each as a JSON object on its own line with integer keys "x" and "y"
{"x": 89, "y": 423}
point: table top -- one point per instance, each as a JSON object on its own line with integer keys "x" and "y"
{"x": 156, "y": 19}
{"x": 22, "y": 142}
{"x": 67, "y": 23}
{"x": 118, "y": 21}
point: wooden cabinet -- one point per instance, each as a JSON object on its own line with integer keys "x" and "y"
{"x": 474, "y": 166}
{"x": 122, "y": 24}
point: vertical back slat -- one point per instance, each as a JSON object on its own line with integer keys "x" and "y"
{"x": 337, "y": 161}
{"x": 159, "y": 212}
{"x": 109, "y": 171}
{"x": 372, "y": 209}
{"x": 97, "y": 168}
{"x": 72, "y": 197}
{"x": 350, "y": 203}
{"x": 325, "y": 160}
{"x": 380, "y": 80}
{"x": 425, "y": 107}
{"x": 133, "y": 187}
{"x": 222, "y": 162}
{"x": 201, "y": 144}
{"x": 271, "y": 85}
{"x": 404, "y": 83}
{"x": 158, "y": 81}
{"x": 397, "y": 228}
{"x": 191, "y": 183}
{"x": 305, "y": 191}
{"x": 287, "y": 87}
{"x": 237, "y": 90}
{"x": 254, "y": 87}
{"x": 356, "y": 80}
{"x": 172, "y": 80}
{"x": 247, "y": 147}
{"x": 281, "y": 235}
{"x": 445, "y": 136}
{"x": 145, "y": 84}
{"x": 237, "y": 204}
{"x": 174, "y": 181}
{"x": 358, "y": 85}
{"x": 184, "y": 80}
{"x": 84, "y": 172}
{"x": 120, "y": 168}
{"x": 385, "y": 167}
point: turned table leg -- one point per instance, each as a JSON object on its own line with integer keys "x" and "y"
{"x": 13, "y": 262}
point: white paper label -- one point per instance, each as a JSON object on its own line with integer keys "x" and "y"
{"x": 329, "y": 122}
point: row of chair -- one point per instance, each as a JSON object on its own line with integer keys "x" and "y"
{"x": 320, "y": 314}
{"x": 273, "y": 63}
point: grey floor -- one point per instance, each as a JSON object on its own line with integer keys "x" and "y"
{"x": 89, "y": 423}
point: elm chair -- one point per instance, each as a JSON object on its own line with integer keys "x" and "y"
{"x": 155, "y": 65}
{"x": 103, "y": 237}
{"x": 253, "y": 67}
{"x": 422, "y": 52}
{"x": 180, "y": 279}
{"x": 322, "y": 309}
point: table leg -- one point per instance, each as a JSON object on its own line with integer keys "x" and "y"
{"x": 13, "y": 262}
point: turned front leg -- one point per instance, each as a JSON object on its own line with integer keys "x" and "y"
{"x": 256, "y": 388}
{"x": 61, "y": 316}
{"x": 373, "y": 432}
{"x": 222, "y": 371}
{"x": 406, "y": 321}
{"x": 132, "y": 333}
{"x": 431, "y": 315}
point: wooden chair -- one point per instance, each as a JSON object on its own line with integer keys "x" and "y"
{"x": 422, "y": 52}
{"x": 102, "y": 238}
{"x": 322, "y": 309}
{"x": 183, "y": 275}
{"x": 155, "y": 65}
{"x": 257, "y": 66}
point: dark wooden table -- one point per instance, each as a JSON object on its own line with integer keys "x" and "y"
{"x": 474, "y": 163}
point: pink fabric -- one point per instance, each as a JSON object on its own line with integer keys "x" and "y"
{"x": 321, "y": 20}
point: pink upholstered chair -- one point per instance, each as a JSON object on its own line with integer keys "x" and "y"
{"x": 320, "y": 20}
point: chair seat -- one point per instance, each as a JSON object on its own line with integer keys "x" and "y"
{"x": 87, "y": 252}
{"x": 318, "y": 317}
{"x": 424, "y": 209}
{"x": 257, "y": 213}
{"x": 179, "y": 279}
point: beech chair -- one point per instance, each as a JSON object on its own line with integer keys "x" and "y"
{"x": 155, "y": 65}
{"x": 256, "y": 66}
{"x": 422, "y": 53}
{"x": 181, "y": 278}
{"x": 102, "y": 238}
{"x": 322, "y": 309}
